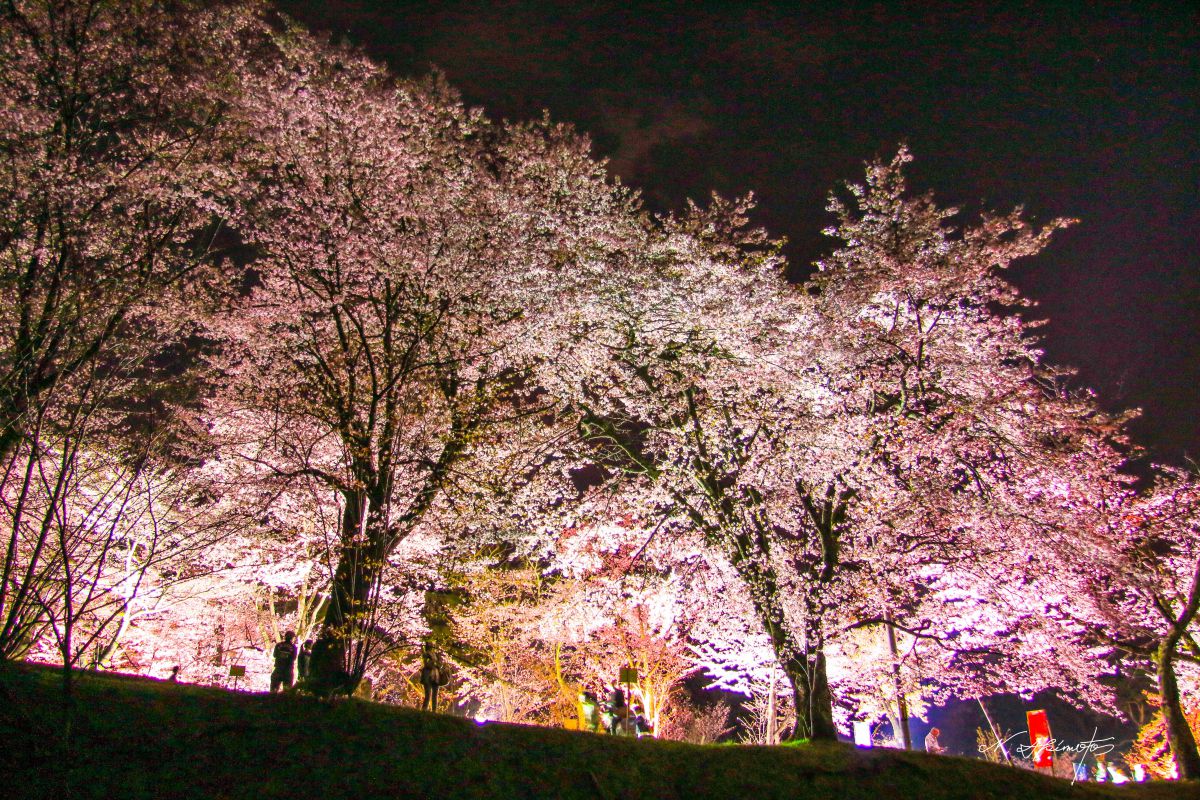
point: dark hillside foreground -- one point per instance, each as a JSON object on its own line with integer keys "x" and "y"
{"x": 138, "y": 738}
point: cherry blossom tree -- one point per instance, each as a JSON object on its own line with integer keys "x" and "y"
{"x": 114, "y": 147}
{"x": 413, "y": 275}
{"x": 893, "y": 462}
{"x": 533, "y": 629}
{"x": 962, "y": 449}
{"x": 689, "y": 405}
{"x": 349, "y": 360}
{"x": 631, "y": 602}
{"x": 1137, "y": 581}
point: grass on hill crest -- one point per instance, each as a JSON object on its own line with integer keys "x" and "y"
{"x": 134, "y": 738}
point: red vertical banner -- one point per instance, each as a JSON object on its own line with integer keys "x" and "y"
{"x": 1039, "y": 738}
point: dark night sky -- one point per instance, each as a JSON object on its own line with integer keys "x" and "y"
{"x": 1087, "y": 110}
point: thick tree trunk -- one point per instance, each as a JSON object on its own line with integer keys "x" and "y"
{"x": 803, "y": 665}
{"x": 800, "y": 657}
{"x": 1179, "y": 733}
{"x": 334, "y": 666}
{"x": 341, "y": 651}
{"x": 811, "y": 697}
{"x": 902, "y": 730}
{"x": 810, "y": 691}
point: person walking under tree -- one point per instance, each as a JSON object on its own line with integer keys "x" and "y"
{"x": 432, "y": 676}
{"x": 285, "y": 659}
{"x": 932, "y": 745}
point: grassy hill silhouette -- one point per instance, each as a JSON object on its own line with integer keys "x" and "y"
{"x": 131, "y": 738}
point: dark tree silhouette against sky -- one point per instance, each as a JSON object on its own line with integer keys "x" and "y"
{"x": 1086, "y": 110}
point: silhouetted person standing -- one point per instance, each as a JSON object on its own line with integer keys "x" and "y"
{"x": 431, "y": 676}
{"x": 304, "y": 663}
{"x": 285, "y": 659}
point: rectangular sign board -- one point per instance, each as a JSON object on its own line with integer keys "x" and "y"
{"x": 1040, "y": 739}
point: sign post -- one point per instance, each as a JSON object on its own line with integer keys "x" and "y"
{"x": 237, "y": 672}
{"x": 628, "y": 676}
